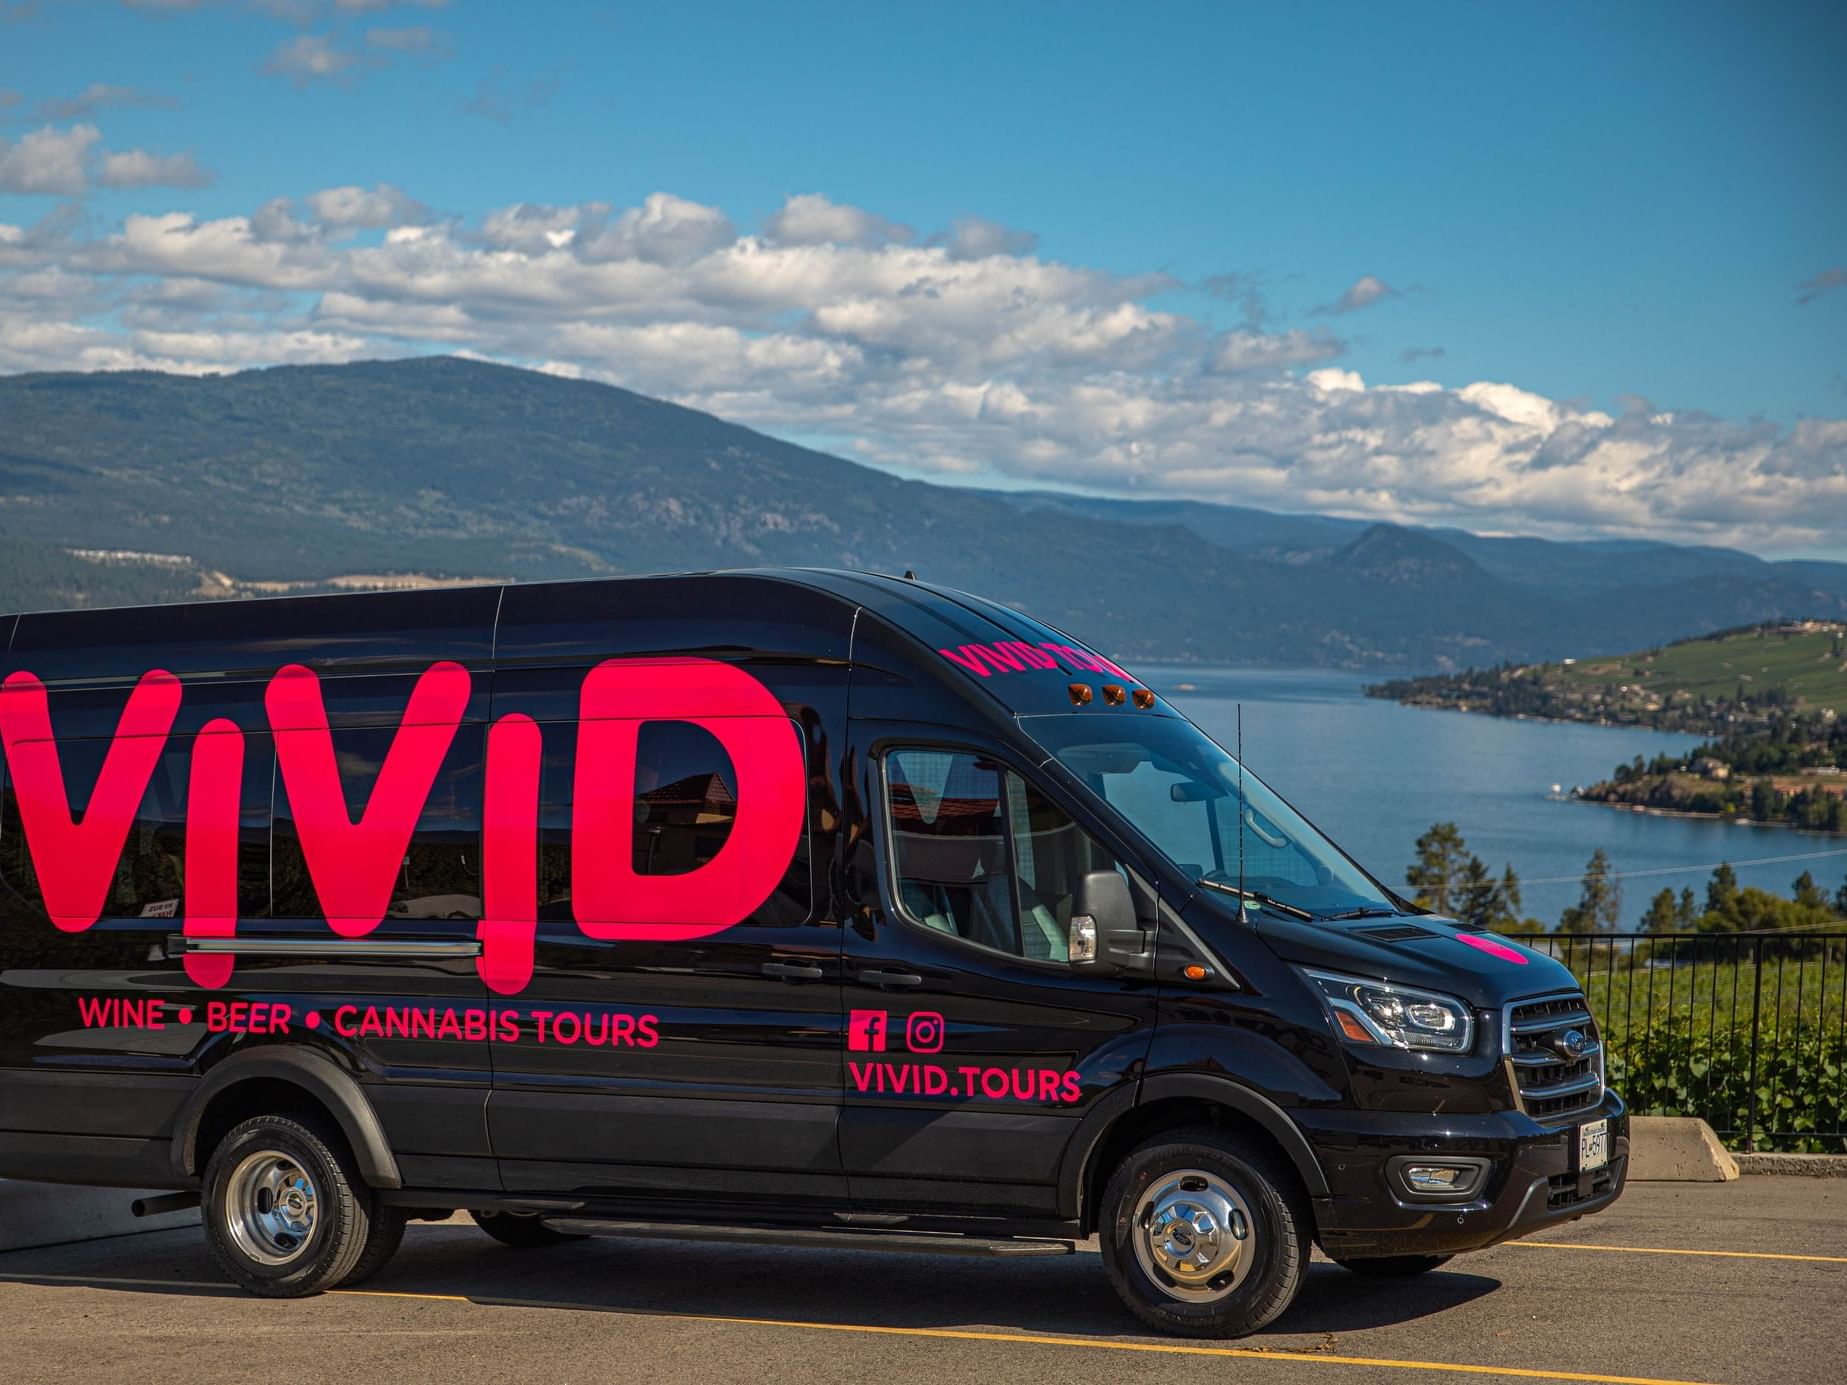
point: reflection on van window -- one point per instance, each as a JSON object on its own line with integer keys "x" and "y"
{"x": 982, "y": 855}
{"x": 1184, "y": 794}
{"x": 150, "y": 875}
{"x": 685, "y": 803}
{"x": 440, "y": 875}
{"x": 684, "y": 799}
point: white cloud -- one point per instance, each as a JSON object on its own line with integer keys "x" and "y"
{"x": 136, "y": 168}
{"x": 370, "y": 208}
{"x": 418, "y": 40}
{"x": 962, "y": 353}
{"x": 374, "y": 6}
{"x": 100, "y": 94}
{"x": 811, "y": 219}
{"x": 499, "y": 98}
{"x": 1362, "y": 293}
{"x": 48, "y": 160}
{"x": 973, "y": 237}
{"x": 309, "y": 58}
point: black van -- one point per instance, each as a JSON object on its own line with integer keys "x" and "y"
{"x": 796, "y": 905}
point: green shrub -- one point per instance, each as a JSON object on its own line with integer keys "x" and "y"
{"x": 1673, "y": 1068}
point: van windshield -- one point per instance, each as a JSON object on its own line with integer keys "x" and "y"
{"x": 1181, "y": 791}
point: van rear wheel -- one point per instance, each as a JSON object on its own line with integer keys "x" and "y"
{"x": 1204, "y": 1234}
{"x": 522, "y": 1230}
{"x": 286, "y": 1214}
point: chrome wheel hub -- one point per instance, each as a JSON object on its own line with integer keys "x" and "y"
{"x": 270, "y": 1207}
{"x": 1193, "y": 1235}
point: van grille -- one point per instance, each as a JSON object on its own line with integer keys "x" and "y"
{"x": 1550, "y": 1083}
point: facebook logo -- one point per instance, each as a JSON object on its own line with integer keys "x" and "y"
{"x": 866, "y": 1031}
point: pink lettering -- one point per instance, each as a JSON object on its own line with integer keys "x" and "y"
{"x": 610, "y": 900}
{"x": 75, "y": 860}
{"x": 999, "y": 656}
{"x": 353, "y": 864}
{"x": 213, "y": 795}
{"x": 510, "y": 855}
{"x": 966, "y": 659}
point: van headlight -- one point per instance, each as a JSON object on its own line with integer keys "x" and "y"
{"x": 1375, "y": 1012}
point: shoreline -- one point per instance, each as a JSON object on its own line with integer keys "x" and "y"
{"x": 1550, "y": 721}
{"x": 1648, "y": 811}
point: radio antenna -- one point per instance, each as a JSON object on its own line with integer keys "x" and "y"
{"x": 1243, "y": 915}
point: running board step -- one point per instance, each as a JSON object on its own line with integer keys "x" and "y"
{"x": 917, "y": 1242}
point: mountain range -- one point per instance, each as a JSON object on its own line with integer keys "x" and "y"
{"x": 140, "y": 486}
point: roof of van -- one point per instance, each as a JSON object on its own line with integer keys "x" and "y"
{"x": 800, "y": 612}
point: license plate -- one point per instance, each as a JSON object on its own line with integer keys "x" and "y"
{"x": 1593, "y": 1145}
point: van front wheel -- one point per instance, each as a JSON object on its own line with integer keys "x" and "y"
{"x": 1202, "y": 1234}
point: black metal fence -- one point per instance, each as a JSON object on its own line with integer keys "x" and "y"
{"x": 1747, "y": 1030}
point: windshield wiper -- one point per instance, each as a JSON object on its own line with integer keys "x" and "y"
{"x": 1366, "y": 913}
{"x": 1255, "y": 898}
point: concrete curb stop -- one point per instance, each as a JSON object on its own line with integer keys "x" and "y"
{"x": 49, "y": 1214}
{"x": 1804, "y": 1165}
{"x": 1677, "y": 1149}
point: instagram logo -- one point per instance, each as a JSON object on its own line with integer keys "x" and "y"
{"x": 923, "y": 1032}
{"x": 866, "y": 1031}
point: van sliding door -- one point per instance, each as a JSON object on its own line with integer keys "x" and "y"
{"x": 666, "y": 1055}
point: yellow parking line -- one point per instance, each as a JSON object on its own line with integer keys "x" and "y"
{"x": 1098, "y": 1344}
{"x": 970, "y": 1335}
{"x": 1663, "y": 1250}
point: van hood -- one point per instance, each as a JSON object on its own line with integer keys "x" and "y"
{"x": 1485, "y": 969}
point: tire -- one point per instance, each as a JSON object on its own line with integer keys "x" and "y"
{"x": 286, "y": 1214}
{"x": 1202, "y": 1279}
{"x": 382, "y": 1242}
{"x": 521, "y": 1230}
{"x": 1395, "y": 1266}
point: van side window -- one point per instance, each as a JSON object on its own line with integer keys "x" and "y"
{"x": 150, "y": 875}
{"x": 440, "y": 876}
{"x": 982, "y": 855}
{"x": 685, "y": 805}
{"x": 684, "y": 802}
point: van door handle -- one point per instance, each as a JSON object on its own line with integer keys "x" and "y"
{"x": 890, "y": 978}
{"x": 793, "y": 971}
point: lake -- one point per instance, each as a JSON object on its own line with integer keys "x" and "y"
{"x": 1374, "y": 775}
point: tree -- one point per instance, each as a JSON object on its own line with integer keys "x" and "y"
{"x": 1840, "y": 899}
{"x": 1600, "y": 907}
{"x": 1722, "y": 892}
{"x": 1806, "y": 892}
{"x": 1484, "y": 901}
{"x": 1510, "y": 893}
{"x": 1688, "y": 910}
{"x": 1442, "y": 857}
{"x": 1449, "y": 878}
{"x": 1663, "y": 914}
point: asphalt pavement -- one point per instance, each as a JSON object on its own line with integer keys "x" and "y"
{"x": 1738, "y": 1282}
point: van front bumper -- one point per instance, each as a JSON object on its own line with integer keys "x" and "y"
{"x": 1532, "y": 1178}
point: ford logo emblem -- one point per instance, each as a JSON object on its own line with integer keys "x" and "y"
{"x": 1571, "y": 1044}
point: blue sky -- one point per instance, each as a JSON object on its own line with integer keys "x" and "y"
{"x": 1612, "y": 211}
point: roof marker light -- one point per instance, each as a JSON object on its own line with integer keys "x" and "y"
{"x": 1080, "y": 694}
{"x": 1114, "y": 695}
{"x": 1144, "y": 698}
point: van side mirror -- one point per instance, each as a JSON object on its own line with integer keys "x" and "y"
{"x": 1103, "y": 925}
